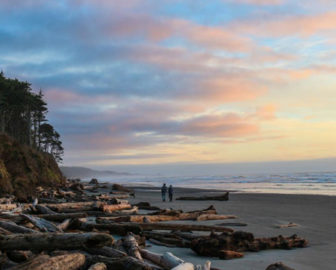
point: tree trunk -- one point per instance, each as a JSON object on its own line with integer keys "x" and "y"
{"x": 14, "y": 228}
{"x": 131, "y": 246}
{"x": 125, "y": 263}
{"x": 71, "y": 261}
{"x": 53, "y": 241}
{"x": 42, "y": 224}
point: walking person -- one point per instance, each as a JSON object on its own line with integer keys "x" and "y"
{"x": 170, "y": 193}
{"x": 163, "y": 192}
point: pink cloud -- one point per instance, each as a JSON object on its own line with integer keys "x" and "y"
{"x": 229, "y": 125}
{"x": 300, "y": 25}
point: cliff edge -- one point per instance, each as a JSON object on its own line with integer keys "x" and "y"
{"x": 23, "y": 168}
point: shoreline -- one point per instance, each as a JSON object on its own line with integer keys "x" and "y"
{"x": 262, "y": 212}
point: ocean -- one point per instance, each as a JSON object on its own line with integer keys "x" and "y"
{"x": 317, "y": 183}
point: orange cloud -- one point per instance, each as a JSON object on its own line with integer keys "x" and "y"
{"x": 266, "y": 112}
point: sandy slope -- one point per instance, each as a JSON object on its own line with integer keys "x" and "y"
{"x": 316, "y": 216}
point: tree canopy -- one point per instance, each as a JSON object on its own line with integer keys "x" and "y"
{"x": 23, "y": 117}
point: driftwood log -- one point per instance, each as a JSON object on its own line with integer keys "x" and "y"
{"x": 278, "y": 266}
{"x": 53, "y": 241}
{"x": 14, "y": 228}
{"x": 71, "y": 261}
{"x": 220, "y": 245}
{"x": 125, "y": 263}
{"x": 222, "y": 197}
{"x": 98, "y": 266}
{"x": 178, "y": 227}
{"x": 131, "y": 246}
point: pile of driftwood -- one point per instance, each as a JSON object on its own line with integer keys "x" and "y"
{"x": 73, "y": 227}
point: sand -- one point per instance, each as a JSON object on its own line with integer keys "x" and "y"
{"x": 315, "y": 215}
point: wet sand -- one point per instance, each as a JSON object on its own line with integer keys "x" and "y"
{"x": 315, "y": 215}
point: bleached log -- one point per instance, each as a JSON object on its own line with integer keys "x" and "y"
{"x": 98, "y": 266}
{"x": 53, "y": 241}
{"x": 71, "y": 261}
{"x": 170, "y": 260}
{"x": 41, "y": 223}
{"x": 14, "y": 228}
{"x": 184, "y": 266}
{"x": 109, "y": 208}
{"x": 131, "y": 246}
{"x": 151, "y": 256}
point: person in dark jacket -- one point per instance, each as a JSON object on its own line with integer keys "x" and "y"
{"x": 163, "y": 192}
{"x": 170, "y": 193}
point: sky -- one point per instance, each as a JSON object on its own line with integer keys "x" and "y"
{"x": 143, "y": 82}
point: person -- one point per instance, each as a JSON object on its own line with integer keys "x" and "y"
{"x": 163, "y": 192}
{"x": 170, "y": 193}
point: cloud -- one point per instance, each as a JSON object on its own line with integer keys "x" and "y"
{"x": 280, "y": 25}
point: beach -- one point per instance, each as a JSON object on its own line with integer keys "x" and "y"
{"x": 315, "y": 216}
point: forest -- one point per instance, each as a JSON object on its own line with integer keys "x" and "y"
{"x": 23, "y": 116}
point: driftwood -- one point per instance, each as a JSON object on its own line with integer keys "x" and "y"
{"x": 98, "y": 266}
{"x": 7, "y": 207}
{"x": 146, "y": 206}
{"x": 19, "y": 255}
{"x": 184, "y": 266}
{"x": 179, "y": 227}
{"x": 59, "y": 217}
{"x": 71, "y": 261}
{"x": 121, "y": 188}
{"x": 119, "y": 229}
{"x": 223, "y": 197}
{"x": 53, "y": 241}
{"x": 14, "y": 228}
{"x": 125, "y": 263}
{"x": 169, "y": 239}
{"x": 278, "y": 266}
{"x": 131, "y": 246}
{"x": 64, "y": 225}
{"x": 42, "y": 224}
{"x": 107, "y": 252}
{"x": 220, "y": 245}
{"x": 44, "y": 209}
{"x": 114, "y": 207}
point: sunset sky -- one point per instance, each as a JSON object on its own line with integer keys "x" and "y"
{"x": 179, "y": 81}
